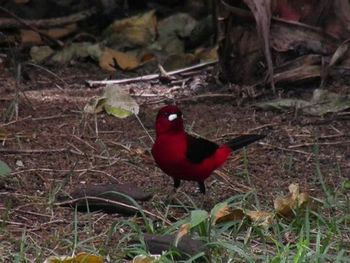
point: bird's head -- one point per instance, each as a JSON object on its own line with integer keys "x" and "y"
{"x": 169, "y": 120}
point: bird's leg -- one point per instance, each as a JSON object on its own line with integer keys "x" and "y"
{"x": 176, "y": 183}
{"x": 201, "y": 187}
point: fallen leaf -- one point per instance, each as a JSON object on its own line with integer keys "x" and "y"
{"x": 124, "y": 61}
{"x": 184, "y": 230}
{"x": 177, "y": 61}
{"x": 227, "y": 214}
{"x": 339, "y": 53}
{"x": 207, "y": 54}
{"x": 95, "y": 105}
{"x": 322, "y": 102}
{"x": 30, "y": 37}
{"x": 285, "y": 206}
{"x": 39, "y": 54}
{"x": 115, "y": 101}
{"x": 79, "y": 258}
{"x": 78, "y": 50}
{"x": 262, "y": 218}
{"x": 61, "y": 32}
{"x": 146, "y": 259}
{"x": 180, "y": 24}
{"x": 4, "y": 169}
{"x": 135, "y": 31}
{"x": 119, "y": 103}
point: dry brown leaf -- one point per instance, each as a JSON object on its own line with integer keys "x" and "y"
{"x": 227, "y": 214}
{"x": 30, "y": 37}
{"x": 285, "y": 206}
{"x": 139, "y": 30}
{"x": 58, "y": 33}
{"x": 184, "y": 229}
{"x": 146, "y": 259}
{"x": 124, "y": 61}
{"x": 79, "y": 258}
{"x": 339, "y": 53}
{"x": 262, "y": 218}
{"x": 207, "y": 54}
{"x": 261, "y": 10}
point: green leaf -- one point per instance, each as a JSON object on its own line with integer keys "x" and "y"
{"x": 346, "y": 184}
{"x": 198, "y": 216}
{"x": 4, "y": 169}
{"x": 119, "y": 103}
{"x": 115, "y": 101}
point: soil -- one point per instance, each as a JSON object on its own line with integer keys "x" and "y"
{"x": 54, "y": 148}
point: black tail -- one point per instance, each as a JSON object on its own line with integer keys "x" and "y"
{"x": 243, "y": 140}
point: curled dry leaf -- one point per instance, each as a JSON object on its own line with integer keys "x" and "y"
{"x": 227, "y": 214}
{"x": 135, "y": 31}
{"x": 30, "y": 37}
{"x": 184, "y": 229}
{"x": 285, "y": 206}
{"x": 262, "y": 218}
{"x": 115, "y": 101}
{"x": 60, "y": 32}
{"x": 124, "y": 61}
{"x": 146, "y": 259}
{"x": 79, "y": 258}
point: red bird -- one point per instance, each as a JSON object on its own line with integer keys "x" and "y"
{"x": 184, "y": 157}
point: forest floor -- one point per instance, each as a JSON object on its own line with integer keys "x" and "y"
{"x": 53, "y": 147}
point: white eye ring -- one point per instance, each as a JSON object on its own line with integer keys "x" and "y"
{"x": 172, "y": 117}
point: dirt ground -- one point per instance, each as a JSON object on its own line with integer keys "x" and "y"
{"x": 53, "y": 147}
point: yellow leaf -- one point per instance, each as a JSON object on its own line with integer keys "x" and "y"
{"x": 124, "y": 61}
{"x": 146, "y": 259}
{"x": 30, "y": 37}
{"x": 227, "y": 214}
{"x": 262, "y": 218}
{"x": 207, "y": 54}
{"x": 285, "y": 206}
{"x": 79, "y": 258}
{"x": 139, "y": 30}
{"x": 88, "y": 258}
{"x": 184, "y": 229}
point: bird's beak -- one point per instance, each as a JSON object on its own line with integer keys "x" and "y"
{"x": 172, "y": 117}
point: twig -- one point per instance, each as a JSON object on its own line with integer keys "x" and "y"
{"x": 31, "y": 27}
{"x": 144, "y": 128}
{"x": 317, "y": 143}
{"x": 92, "y": 83}
{"x": 48, "y": 71}
{"x": 285, "y": 149}
{"x": 9, "y": 22}
{"x": 36, "y": 151}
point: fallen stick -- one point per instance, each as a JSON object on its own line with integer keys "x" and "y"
{"x": 92, "y": 83}
{"x": 51, "y": 22}
{"x": 33, "y": 28}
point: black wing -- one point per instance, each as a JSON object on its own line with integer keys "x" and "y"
{"x": 199, "y": 149}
